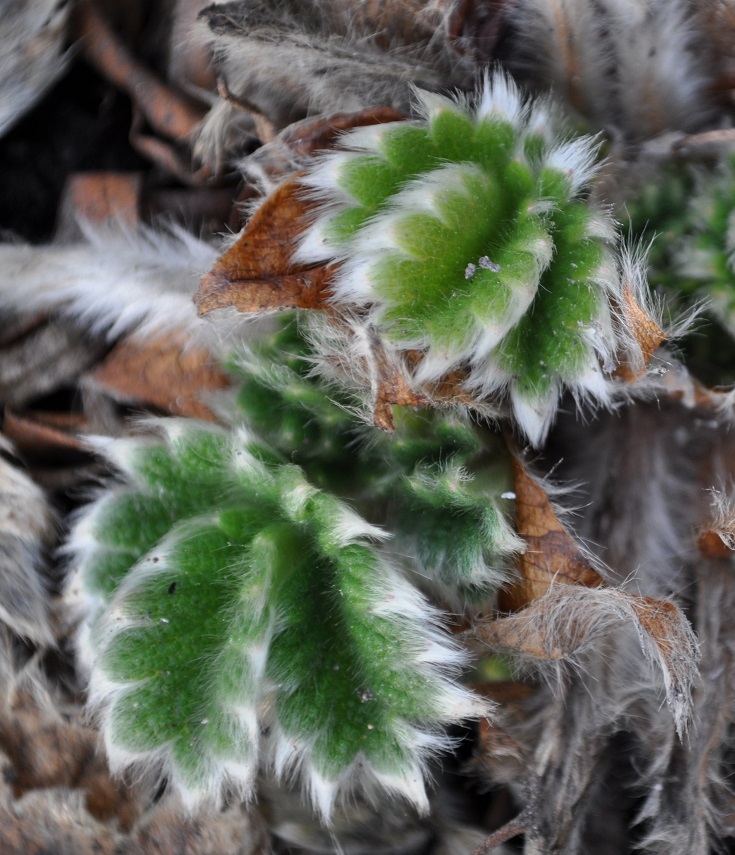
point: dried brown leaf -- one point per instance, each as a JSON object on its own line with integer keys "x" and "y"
{"x": 257, "y": 274}
{"x": 664, "y": 624}
{"x": 165, "y": 372}
{"x": 449, "y": 389}
{"x": 520, "y": 634}
{"x": 646, "y": 332}
{"x": 295, "y": 144}
{"x": 552, "y": 555}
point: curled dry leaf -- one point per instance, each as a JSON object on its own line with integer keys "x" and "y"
{"x": 290, "y": 149}
{"x": 256, "y": 274}
{"x": 165, "y": 372}
{"x": 319, "y": 132}
{"x": 354, "y": 355}
{"x": 552, "y": 555}
{"x": 569, "y": 620}
{"x": 646, "y": 332}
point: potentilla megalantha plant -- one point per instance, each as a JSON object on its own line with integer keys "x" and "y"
{"x": 263, "y": 595}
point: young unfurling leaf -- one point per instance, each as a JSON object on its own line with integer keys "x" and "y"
{"x": 465, "y": 237}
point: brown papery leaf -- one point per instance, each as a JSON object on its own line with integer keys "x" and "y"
{"x": 164, "y": 372}
{"x": 552, "y": 555}
{"x": 256, "y": 274}
{"x": 390, "y": 377}
{"x": 647, "y": 332}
